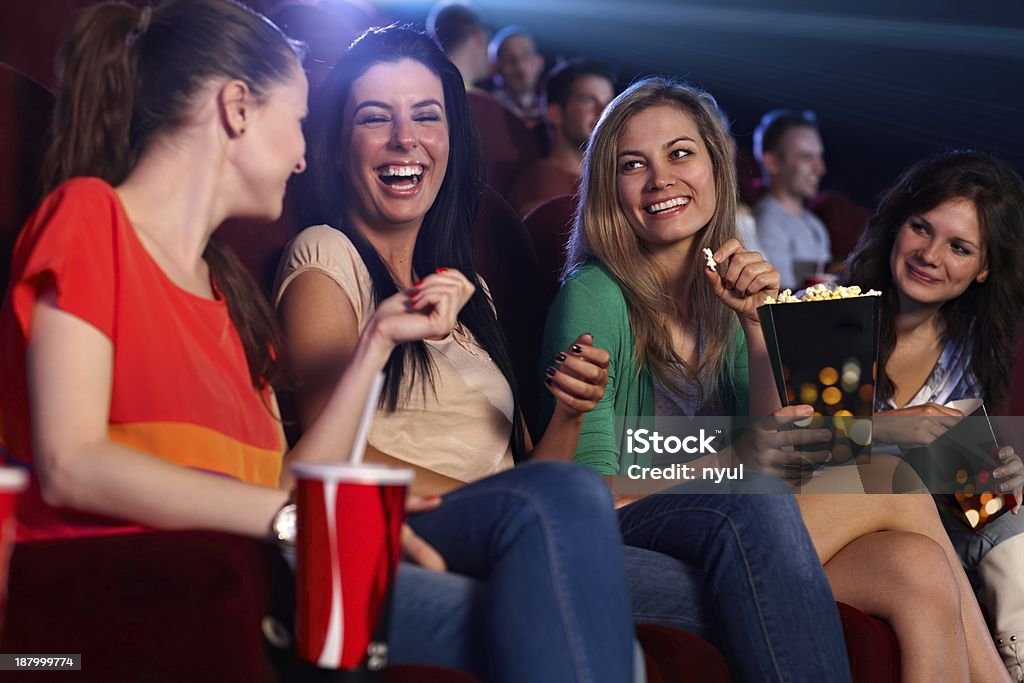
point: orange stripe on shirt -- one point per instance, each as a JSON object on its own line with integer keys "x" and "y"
{"x": 198, "y": 447}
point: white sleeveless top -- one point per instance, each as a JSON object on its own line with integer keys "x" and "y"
{"x": 462, "y": 429}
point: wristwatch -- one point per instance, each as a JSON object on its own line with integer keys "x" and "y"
{"x": 284, "y": 527}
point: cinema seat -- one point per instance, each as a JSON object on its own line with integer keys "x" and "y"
{"x": 162, "y": 606}
{"x": 508, "y": 144}
{"x": 25, "y": 111}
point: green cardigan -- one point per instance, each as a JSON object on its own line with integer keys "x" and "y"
{"x": 591, "y": 301}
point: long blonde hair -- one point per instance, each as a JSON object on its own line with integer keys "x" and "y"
{"x": 601, "y": 231}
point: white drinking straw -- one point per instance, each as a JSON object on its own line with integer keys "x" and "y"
{"x": 359, "y": 445}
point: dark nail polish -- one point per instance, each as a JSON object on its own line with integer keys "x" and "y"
{"x": 560, "y": 357}
{"x": 550, "y": 371}
{"x": 547, "y": 380}
{"x": 576, "y": 348}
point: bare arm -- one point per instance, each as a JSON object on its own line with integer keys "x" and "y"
{"x": 70, "y": 366}
{"x": 323, "y": 343}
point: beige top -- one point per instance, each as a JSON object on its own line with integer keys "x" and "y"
{"x": 463, "y": 429}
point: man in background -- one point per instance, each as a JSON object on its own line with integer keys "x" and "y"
{"x": 788, "y": 146}
{"x": 517, "y": 68}
{"x": 457, "y": 30}
{"x": 575, "y": 94}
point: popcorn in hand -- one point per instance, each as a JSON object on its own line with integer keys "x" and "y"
{"x": 710, "y": 256}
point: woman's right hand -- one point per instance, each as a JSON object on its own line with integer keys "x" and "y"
{"x": 429, "y": 310}
{"x": 769, "y": 449}
{"x": 414, "y": 547}
{"x": 931, "y": 421}
{"x": 743, "y": 279}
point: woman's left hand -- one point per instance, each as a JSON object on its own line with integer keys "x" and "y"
{"x": 578, "y": 375}
{"x": 1011, "y": 472}
{"x": 743, "y": 279}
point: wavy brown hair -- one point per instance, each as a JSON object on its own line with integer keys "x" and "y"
{"x": 128, "y": 76}
{"x": 987, "y": 314}
{"x": 602, "y": 232}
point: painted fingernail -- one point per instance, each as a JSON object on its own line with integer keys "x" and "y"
{"x": 418, "y": 283}
{"x": 441, "y": 270}
{"x": 576, "y": 348}
{"x": 547, "y": 380}
{"x": 561, "y": 357}
{"x": 550, "y": 371}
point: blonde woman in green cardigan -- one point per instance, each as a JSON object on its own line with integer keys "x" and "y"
{"x": 657, "y": 191}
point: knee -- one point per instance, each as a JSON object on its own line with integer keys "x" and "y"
{"x": 568, "y": 484}
{"x": 918, "y": 571}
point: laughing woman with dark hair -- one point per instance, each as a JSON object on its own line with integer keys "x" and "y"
{"x": 393, "y": 187}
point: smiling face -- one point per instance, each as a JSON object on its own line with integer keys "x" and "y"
{"x": 396, "y": 153}
{"x": 799, "y": 163}
{"x": 665, "y": 177}
{"x": 938, "y": 254}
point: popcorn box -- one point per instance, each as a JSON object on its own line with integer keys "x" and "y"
{"x": 823, "y": 353}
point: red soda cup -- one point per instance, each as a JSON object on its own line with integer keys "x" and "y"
{"x": 348, "y": 544}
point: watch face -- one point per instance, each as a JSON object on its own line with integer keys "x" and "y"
{"x": 285, "y": 525}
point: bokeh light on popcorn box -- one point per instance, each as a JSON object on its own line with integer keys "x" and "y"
{"x": 961, "y": 462}
{"x": 823, "y": 354}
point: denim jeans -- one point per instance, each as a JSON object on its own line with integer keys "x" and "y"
{"x": 538, "y": 591}
{"x": 750, "y": 582}
{"x": 970, "y": 544}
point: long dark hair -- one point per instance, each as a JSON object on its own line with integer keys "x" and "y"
{"x": 987, "y": 314}
{"x": 445, "y": 238}
{"x": 128, "y": 76}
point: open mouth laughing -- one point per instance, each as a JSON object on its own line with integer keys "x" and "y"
{"x": 401, "y": 177}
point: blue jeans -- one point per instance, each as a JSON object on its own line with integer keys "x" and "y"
{"x": 970, "y": 544}
{"x": 750, "y": 582}
{"x": 547, "y": 600}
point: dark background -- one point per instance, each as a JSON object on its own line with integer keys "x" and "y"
{"x": 890, "y": 81}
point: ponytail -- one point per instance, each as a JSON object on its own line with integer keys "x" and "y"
{"x": 98, "y": 66}
{"x": 128, "y": 75}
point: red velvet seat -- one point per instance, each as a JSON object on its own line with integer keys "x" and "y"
{"x": 505, "y": 258}
{"x": 681, "y": 657}
{"x": 25, "y": 111}
{"x": 871, "y": 646}
{"x": 508, "y": 144}
{"x": 548, "y": 225}
{"x": 844, "y": 219}
{"x": 168, "y": 606}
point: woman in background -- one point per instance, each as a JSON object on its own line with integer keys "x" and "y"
{"x": 945, "y": 248}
